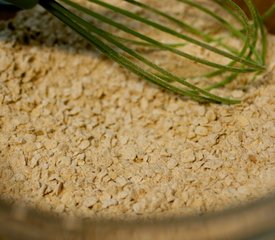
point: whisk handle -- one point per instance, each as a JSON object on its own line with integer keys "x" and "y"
{"x": 25, "y": 4}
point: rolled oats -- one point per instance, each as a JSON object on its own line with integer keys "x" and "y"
{"x": 81, "y": 136}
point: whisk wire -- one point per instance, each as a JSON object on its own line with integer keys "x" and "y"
{"x": 111, "y": 44}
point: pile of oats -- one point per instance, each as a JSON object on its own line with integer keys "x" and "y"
{"x": 81, "y": 136}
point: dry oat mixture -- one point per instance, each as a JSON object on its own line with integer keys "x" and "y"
{"x": 81, "y": 136}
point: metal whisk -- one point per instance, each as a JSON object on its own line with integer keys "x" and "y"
{"x": 118, "y": 32}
